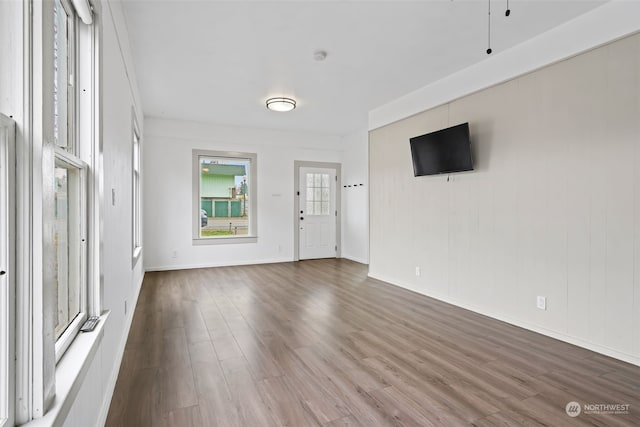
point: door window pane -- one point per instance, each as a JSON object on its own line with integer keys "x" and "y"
{"x": 318, "y": 191}
{"x": 325, "y": 208}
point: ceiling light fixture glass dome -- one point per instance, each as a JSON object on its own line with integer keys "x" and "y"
{"x": 281, "y": 104}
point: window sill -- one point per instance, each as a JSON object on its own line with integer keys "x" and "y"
{"x": 224, "y": 240}
{"x": 70, "y": 373}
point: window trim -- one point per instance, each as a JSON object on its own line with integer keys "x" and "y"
{"x": 136, "y": 190}
{"x": 71, "y": 156}
{"x": 7, "y": 264}
{"x": 252, "y": 237}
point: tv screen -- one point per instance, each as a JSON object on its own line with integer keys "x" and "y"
{"x": 444, "y": 151}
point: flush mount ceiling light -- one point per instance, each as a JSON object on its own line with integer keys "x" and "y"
{"x": 281, "y": 104}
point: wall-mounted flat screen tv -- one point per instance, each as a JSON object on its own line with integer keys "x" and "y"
{"x": 444, "y": 151}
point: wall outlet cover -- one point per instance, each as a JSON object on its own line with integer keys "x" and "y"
{"x": 541, "y": 303}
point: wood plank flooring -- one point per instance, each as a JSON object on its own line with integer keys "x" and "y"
{"x": 317, "y": 343}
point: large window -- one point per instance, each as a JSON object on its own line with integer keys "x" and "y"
{"x": 70, "y": 190}
{"x": 137, "y": 222}
{"x": 224, "y": 197}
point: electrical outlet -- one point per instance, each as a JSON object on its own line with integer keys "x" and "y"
{"x": 417, "y": 271}
{"x": 541, "y": 303}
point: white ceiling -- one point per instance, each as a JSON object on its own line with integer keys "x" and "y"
{"x": 218, "y": 61}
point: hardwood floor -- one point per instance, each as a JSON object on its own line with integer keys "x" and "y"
{"x": 317, "y": 343}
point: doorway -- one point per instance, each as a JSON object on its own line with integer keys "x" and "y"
{"x": 316, "y": 210}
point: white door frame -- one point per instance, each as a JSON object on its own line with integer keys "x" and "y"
{"x": 297, "y": 164}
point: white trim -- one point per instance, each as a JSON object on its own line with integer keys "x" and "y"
{"x": 36, "y": 332}
{"x": 218, "y": 264}
{"x": 24, "y": 209}
{"x": 90, "y": 127}
{"x": 516, "y": 322}
{"x": 356, "y": 259}
{"x": 609, "y": 22}
{"x": 7, "y": 271}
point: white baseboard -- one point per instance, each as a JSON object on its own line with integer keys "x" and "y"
{"x": 113, "y": 378}
{"x": 216, "y": 264}
{"x": 598, "y": 348}
{"x": 356, "y": 259}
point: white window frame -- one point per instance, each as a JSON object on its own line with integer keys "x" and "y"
{"x": 136, "y": 202}
{"x": 7, "y": 274}
{"x": 252, "y": 236}
{"x": 67, "y": 337}
{"x": 70, "y": 157}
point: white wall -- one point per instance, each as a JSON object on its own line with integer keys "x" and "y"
{"x": 355, "y": 199}
{"x": 168, "y": 185}
{"x": 121, "y": 281}
{"x": 552, "y": 209}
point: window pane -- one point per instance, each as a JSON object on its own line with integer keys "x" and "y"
{"x": 310, "y": 194}
{"x": 66, "y": 247}
{"x": 309, "y": 180}
{"x": 317, "y": 194}
{"x": 317, "y": 208}
{"x": 325, "y": 208}
{"x": 317, "y": 180}
{"x": 225, "y": 206}
{"x": 309, "y": 207}
{"x": 325, "y": 180}
{"x": 325, "y": 194}
{"x": 61, "y": 75}
{"x": 136, "y": 153}
{"x": 137, "y": 229}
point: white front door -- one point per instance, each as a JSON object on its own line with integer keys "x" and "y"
{"x": 317, "y": 214}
